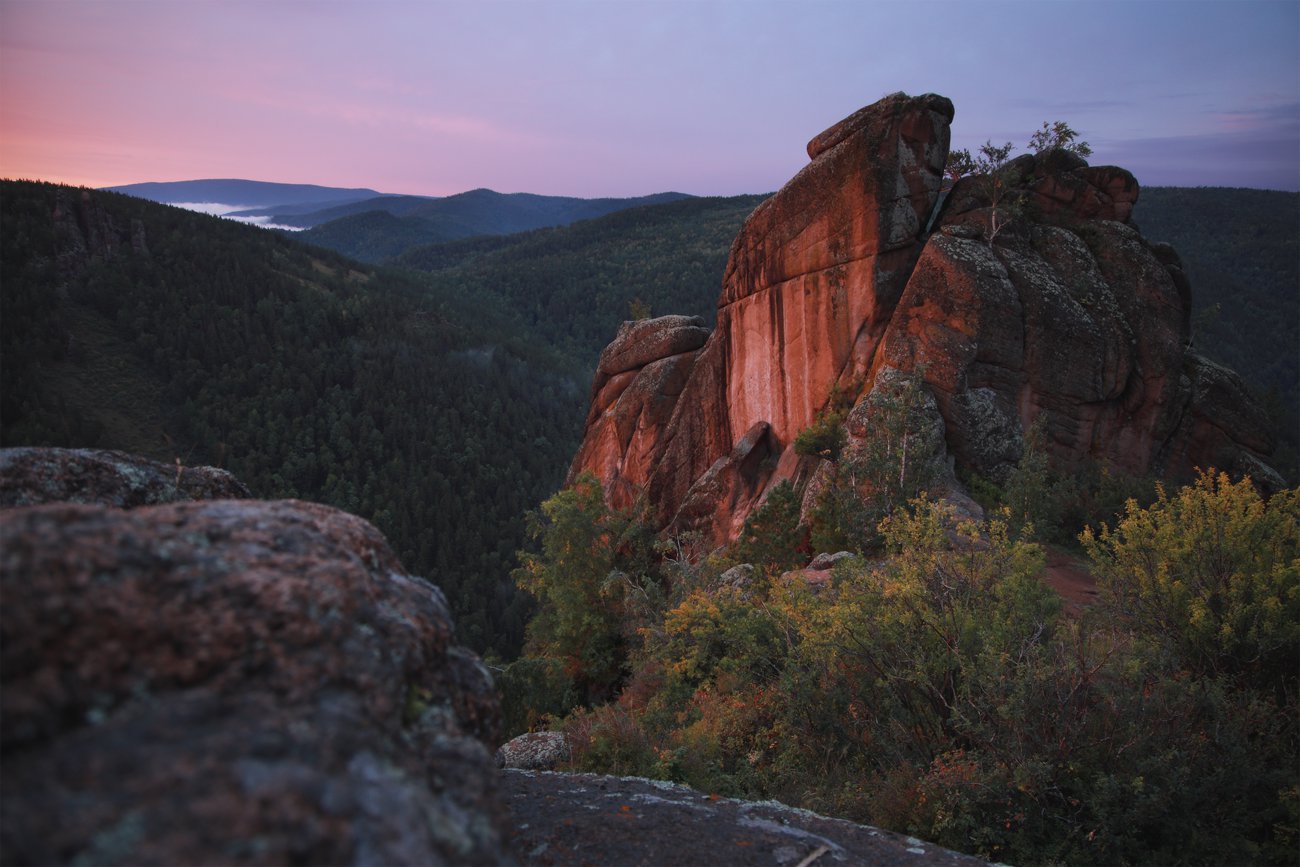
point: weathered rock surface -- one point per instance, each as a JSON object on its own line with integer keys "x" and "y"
{"x": 32, "y": 476}
{"x": 572, "y": 819}
{"x": 828, "y": 561}
{"x": 1072, "y": 320}
{"x": 232, "y": 682}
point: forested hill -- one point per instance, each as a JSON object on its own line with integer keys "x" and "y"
{"x": 247, "y": 194}
{"x": 1242, "y": 253}
{"x": 381, "y": 228}
{"x": 128, "y": 324}
{"x": 572, "y": 286}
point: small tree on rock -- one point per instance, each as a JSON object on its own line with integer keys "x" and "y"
{"x": 1059, "y": 136}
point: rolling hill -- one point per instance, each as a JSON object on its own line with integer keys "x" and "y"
{"x": 379, "y": 229}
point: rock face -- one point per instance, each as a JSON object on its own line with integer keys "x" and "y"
{"x": 575, "y": 819}
{"x": 856, "y": 273}
{"x": 231, "y": 681}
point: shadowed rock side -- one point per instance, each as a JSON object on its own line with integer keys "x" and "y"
{"x": 1072, "y": 317}
{"x": 578, "y": 819}
{"x": 233, "y": 682}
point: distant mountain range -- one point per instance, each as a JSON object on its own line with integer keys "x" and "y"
{"x": 372, "y": 226}
{"x": 237, "y": 193}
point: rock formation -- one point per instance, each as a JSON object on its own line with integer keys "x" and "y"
{"x": 227, "y": 681}
{"x": 857, "y": 272}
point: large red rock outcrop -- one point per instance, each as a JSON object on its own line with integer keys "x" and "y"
{"x": 811, "y": 282}
{"x": 1071, "y": 319}
{"x": 1074, "y": 320}
{"x": 231, "y": 682}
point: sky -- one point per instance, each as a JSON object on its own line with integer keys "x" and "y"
{"x": 626, "y": 97}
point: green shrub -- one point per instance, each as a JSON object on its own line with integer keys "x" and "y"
{"x": 824, "y": 438}
{"x": 1212, "y": 575}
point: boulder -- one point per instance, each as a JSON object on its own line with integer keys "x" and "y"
{"x": 233, "y": 682}
{"x": 645, "y": 340}
{"x": 534, "y": 751}
{"x": 824, "y": 561}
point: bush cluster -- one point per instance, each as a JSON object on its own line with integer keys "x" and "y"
{"x": 940, "y": 691}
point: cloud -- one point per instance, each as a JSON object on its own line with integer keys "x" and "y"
{"x": 223, "y": 209}
{"x": 380, "y": 116}
{"x": 216, "y": 209}
{"x": 265, "y": 223}
{"x": 1069, "y": 108}
{"x": 1272, "y": 119}
{"x": 1265, "y": 158}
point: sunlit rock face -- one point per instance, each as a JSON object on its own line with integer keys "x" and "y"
{"x": 809, "y": 288}
{"x": 858, "y": 266}
{"x": 639, "y": 378}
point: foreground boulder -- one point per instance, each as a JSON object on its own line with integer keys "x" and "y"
{"x": 576, "y": 819}
{"x": 234, "y": 682}
{"x": 858, "y": 275}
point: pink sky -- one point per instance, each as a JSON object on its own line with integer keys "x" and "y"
{"x": 620, "y": 97}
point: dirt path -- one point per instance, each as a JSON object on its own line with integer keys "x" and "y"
{"x": 1068, "y": 575}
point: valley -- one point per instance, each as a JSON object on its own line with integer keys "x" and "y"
{"x": 434, "y": 382}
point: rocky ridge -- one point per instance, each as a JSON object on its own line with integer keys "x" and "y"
{"x": 226, "y": 681}
{"x": 858, "y": 271}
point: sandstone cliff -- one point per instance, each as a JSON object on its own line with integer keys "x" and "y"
{"x": 858, "y": 267}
